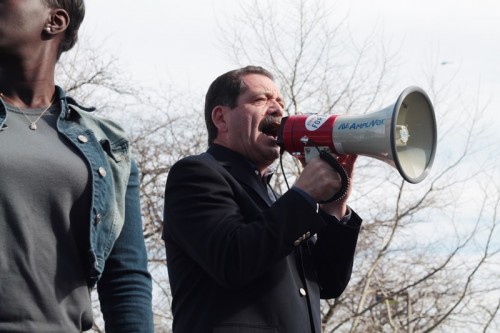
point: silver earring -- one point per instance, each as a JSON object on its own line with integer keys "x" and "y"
{"x": 48, "y": 29}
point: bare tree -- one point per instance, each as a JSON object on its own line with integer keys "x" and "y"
{"x": 170, "y": 130}
{"x": 163, "y": 126}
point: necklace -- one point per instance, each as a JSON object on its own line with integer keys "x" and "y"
{"x": 32, "y": 125}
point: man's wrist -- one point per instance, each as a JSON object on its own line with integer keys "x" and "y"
{"x": 342, "y": 218}
{"x": 341, "y": 215}
{"x": 306, "y": 196}
{"x": 347, "y": 217}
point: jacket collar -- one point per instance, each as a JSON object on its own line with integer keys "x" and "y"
{"x": 69, "y": 107}
{"x": 242, "y": 170}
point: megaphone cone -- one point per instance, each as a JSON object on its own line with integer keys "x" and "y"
{"x": 404, "y": 134}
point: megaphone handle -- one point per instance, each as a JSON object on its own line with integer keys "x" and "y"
{"x": 325, "y": 155}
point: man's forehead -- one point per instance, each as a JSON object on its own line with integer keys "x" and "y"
{"x": 260, "y": 83}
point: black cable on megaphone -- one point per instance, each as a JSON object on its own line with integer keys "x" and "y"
{"x": 326, "y": 156}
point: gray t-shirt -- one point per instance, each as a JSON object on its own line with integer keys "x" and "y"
{"x": 44, "y": 233}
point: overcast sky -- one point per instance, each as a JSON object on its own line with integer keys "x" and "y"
{"x": 178, "y": 39}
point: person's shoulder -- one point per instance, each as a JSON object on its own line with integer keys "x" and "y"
{"x": 90, "y": 114}
{"x": 203, "y": 158}
{"x": 99, "y": 124}
{"x": 195, "y": 163}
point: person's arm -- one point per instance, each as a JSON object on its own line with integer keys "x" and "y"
{"x": 335, "y": 246}
{"x": 125, "y": 286}
{"x": 334, "y": 253}
{"x": 219, "y": 226}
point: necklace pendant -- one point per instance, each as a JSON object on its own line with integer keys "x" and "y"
{"x": 33, "y": 126}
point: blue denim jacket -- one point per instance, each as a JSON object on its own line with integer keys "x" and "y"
{"x": 117, "y": 255}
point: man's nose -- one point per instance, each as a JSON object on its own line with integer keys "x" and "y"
{"x": 276, "y": 109}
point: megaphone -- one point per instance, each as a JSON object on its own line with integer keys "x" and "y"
{"x": 403, "y": 135}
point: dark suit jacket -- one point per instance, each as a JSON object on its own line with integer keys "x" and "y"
{"x": 238, "y": 262}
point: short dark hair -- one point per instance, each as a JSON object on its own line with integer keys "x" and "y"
{"x": 225, "y": 91}
{"x": 76, "y": 12}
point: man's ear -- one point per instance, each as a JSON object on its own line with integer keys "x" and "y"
{"x": 58, "y": 21}
{"x": 219, "y": 118}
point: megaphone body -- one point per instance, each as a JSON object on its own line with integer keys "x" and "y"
{"x": 404, "y": 135}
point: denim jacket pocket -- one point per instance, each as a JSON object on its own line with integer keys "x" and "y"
{"x": 118, "y": 150}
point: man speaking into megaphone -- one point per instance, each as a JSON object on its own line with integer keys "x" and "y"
{"x": 242, "y": 258}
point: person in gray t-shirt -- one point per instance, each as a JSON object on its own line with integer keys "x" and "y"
{"x": 69, "y": 191}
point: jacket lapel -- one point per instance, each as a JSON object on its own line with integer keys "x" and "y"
{"x": 242, "y": 170}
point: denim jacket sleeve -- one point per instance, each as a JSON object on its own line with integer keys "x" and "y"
{"x": 125, "y": 286}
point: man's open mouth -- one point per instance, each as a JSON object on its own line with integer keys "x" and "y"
{"x": 270, "y": 125}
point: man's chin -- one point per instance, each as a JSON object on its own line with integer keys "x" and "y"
{"x": 271, "y": 139}
{"x": 270, "y": 146}
{"x": 275, "y": 152}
